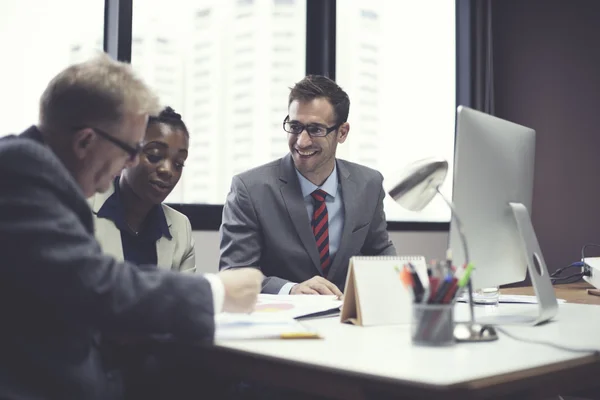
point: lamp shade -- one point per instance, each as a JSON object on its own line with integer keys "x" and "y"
{"x": 417, "y": 184}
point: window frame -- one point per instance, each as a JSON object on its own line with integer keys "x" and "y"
{"x": 320, "y": 59}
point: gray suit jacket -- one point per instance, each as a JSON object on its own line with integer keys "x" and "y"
{"x": 265, "y": 224}
{"x": 59, "y": 292}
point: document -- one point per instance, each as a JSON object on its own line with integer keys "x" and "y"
{"x": 297, "y": 306}
{"x": 251, "y": 326}
{"x": 276, "y": 317}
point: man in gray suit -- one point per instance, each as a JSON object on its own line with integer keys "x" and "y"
{"x": 58, "y": 292}
{"x": 302, "y": 217}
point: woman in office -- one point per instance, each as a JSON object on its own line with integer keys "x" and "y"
{"x": 131, "y": 223}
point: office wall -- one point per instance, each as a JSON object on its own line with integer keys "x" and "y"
{"x": 547, "y": 76}
{"x": 429, "y": 244}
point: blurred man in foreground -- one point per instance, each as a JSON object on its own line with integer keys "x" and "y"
{"x": 58, "y": 292}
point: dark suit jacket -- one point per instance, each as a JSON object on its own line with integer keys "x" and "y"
{"x": 265, "y": 223}
{"x": 58, "y": 291}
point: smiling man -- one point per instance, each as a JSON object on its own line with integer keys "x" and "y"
{"x": 302, "y": 217}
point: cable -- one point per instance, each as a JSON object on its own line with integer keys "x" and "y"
{"x": 595, "y": 352}
{"x": 586, "y": 246}
{"x": 570, "y": 278}
{"x": 560, "y": 270}
{"x": 577, "y": 276}
{"x": 579, "y": 264}
{"x": 564, "y": 278}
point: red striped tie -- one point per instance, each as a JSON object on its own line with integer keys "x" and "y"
{"x": 320, "y": 227}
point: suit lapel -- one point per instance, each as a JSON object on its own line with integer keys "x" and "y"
{"x": 165, "y": 248}
{"x": 292, "y": 198}
{"x": 106, "y": 232}
{"x": 349, "y": 194}
{"x": 97, "y": 201}
{"x": 111, "y": 238}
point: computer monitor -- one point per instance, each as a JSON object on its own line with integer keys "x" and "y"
{"x": 493, "y": 167}
{"x": 493, "y": 188}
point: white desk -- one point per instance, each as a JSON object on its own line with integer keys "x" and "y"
{"x": 356, "y": 362}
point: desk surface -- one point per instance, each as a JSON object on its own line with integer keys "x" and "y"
{"x": 572, "y": 292}
{"x": 358, "y": 361}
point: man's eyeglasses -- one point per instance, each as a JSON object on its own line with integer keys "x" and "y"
{"x": 314, "y": 130}
{"x": 129, "y": 149}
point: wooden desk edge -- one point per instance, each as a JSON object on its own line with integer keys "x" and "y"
{"x": 571, "y": 292}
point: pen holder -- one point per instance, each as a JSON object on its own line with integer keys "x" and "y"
{"x": 433, "y": 324}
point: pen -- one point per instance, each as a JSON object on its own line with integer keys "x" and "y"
{"x": 418, "y": 286}
{"x": 449, "y": 261}
{"x": 465, "y": 278}
{"x": 406, "y": 277}
{"x": 433, "y": 286}
{"x": 407, "y": 280}
{"x": 593, "y": 292}
{"x": 300, "y": 335}
{"x": 442, "y": 290}
{"x": 425, "y": 297}
{"x": 431, "y": 268}
{"x": 452, "y": 288}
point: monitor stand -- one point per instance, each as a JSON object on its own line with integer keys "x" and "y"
{"x": 538, "y": 272}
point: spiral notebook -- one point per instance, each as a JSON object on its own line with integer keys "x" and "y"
{"x": 374, "y": 294}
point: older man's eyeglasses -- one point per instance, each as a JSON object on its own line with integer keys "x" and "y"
{"x": 129, "y": 149}
{"x": 314, "y": 130}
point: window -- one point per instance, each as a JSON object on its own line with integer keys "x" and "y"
{"x": 223, "y": 55}
{"x": 39, "y": 39}
{"x": 396, "y": 60}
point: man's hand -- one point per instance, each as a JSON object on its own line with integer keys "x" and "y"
{"x": 242, "y": 287}
{"x": 316, "y": 285}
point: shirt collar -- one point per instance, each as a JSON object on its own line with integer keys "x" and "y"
{"x": 33, "y": 133}
{"x": 330, "y": 185}
{"x": 154, "y": 227}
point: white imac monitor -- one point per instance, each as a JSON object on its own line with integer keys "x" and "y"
{"x": 493, "y": 187}
{"x": 493, "y": 167}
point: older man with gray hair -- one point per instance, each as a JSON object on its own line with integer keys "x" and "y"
{"x": 58, "y": 292}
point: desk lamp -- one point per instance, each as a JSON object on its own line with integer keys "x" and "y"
{"x": 417, "y": 186}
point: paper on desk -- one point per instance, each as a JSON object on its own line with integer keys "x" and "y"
{"x": 296, "y": 306}
{"x": 275, "y": 316}
{"x": 509, "y": 298}
{"x": 250, "y": 326}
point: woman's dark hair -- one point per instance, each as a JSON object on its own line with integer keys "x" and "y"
{"x": 170, "y": 117}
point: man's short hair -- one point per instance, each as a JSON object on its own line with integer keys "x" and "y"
{"x": 100, "y": 91}
{"x": 317, "y": 86}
